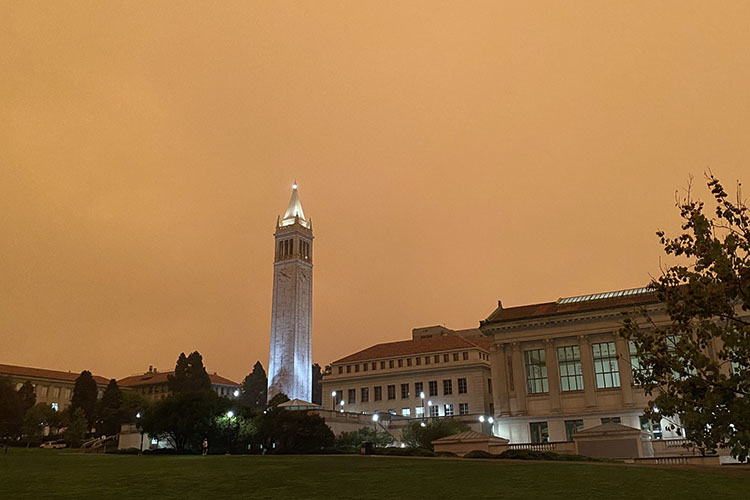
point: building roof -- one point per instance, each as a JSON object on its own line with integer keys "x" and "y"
{"x": 607, "y": 429}
{"x": 569, "y": 305}
{"x": 416, "y": 346}
{"x": 150, "y": 378}
{"x": 294, "y": 209}
{"x": 25, "y": 371}
{"x": 470, "y": 437}
{"x": 299, "y": 404}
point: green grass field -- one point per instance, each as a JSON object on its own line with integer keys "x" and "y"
{"x": 51, "y": 474}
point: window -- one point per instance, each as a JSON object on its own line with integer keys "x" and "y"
{"x": 404, "y": 391}
{"x": 462, "y": 387}
{"x": 446, "y": 358}
{"x": 614, "y": 420}
{"x": 489, "y": 385}
{"x": 418, "y": 388}
{"x": 390, "y": 363}
{"x": 408, "y": 361}
{"x": 447, "y": 387}
{"x": 341, "y": 370}
{"x": 455, "y": 356}
{"x": 382, "y": 365}
{"x": 465, "y": 355}
{"x": 437, "y": 358}
{"x": 378, "y": 393}
{"x": 400, "y": 363}
{"x": 433, "y": 387}
{"x": 539, "y": 432}
{"x": 463, "y": 408}
{"x": 356, "y": 368}
{"x": 419, "y": 413}
{"x": 364, "y": 394}
{"x": 653, "y": 427}
{"x": 391, "y": 392}
{"x": 339, "y": 396}
{"x": 55, "y": 406}
{"x": 571, "y": 427}
{"x": 348, "y": 368}
{"x": 352, "y": 396}
{"x": 427, "y": 360}
{"x": 365, "y": 366}
{"x": 41, "y": 391}
{"x": 418, "y": 361}
{"x": 605, "y": 365}
{"x": 434, "y": 411}
{"x": 571, "y": 373}
{"x": 448, "y": 410}
{"x": 56, "y": 392}
{"x": 374, "y": 365}
{"x": 406, "y": 412}
{"x": 635, "y": 361}
{"x": 536, "y": 371}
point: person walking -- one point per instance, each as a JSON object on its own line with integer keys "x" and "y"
{"x": 204, "y": 445}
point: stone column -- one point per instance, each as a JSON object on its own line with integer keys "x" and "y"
{"x": 500, "y": 378}
{"x": 519, "y": 379}
{"x": 587, "y": 365}
{"x": 626, "y": 374}
{"x": 553, "y": 375}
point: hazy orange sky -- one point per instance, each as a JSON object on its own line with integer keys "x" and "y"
{"x": 450, "y": 154}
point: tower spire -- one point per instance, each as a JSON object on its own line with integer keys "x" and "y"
{"x": 294, "y": 209}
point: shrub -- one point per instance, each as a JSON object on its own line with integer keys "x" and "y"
{"x": 404, "y": 452}
{"x": 415, "y": 435}
{"x": 479, "y": 454}
{"x": 445, "y": 454}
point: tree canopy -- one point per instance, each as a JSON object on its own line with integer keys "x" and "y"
{"x": 110, "y": 414}
{"x": 254, "y": 388}
{"x": 418, "y": 435}
{"x": 189, "y": 375}
{"x": 696, "y": 365}
{"x": 84, "y": 396}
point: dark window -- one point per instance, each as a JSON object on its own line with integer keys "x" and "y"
{"x": 391, "y": 392}
{"x": 463, "y": 408}
{"x": 536, "y": 371}
{"x": 352, "y": 396}
{"x": 427, "y": 360}
{"x": 447, "y": 387}
{"x": 390, "y": 363}
{"x": 339, "y": 396}
{"x": 433, "y": 387}
{"x": 400, "y": 363}
{"x": 539, "y": 432}
{"x": 489, "y": 385}
{"x": 571, "y": 427}
{"x": 418, "y": 360}
{"x": 418, "y": 388}
{"x": 465, "y": 355}
{"x": 378, "y": 393}
{"x": 455, "y": 356}
{"x": 341, "y": 369}
{"x": 614, "y": 420}
{"x": 356, "y": 368}
{"x": 348, "y": 368}
{"x": 408, "y": 361}
{"x": 462, "y": 387}
{"x": 364, "y": 394}
{"x": 365, "y": 367}
{"x": 605, "y": 365}
{"x": 374, "y": 365}
{"x": 446, "y": 358}
{"x": 382, "y": 365}
{"x": 404, "y": 391}
{"x": 437, "y": 358}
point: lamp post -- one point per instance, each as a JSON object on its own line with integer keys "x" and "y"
{"x": 375, "y": 418}
{"x": 138, "y": 416}
{"x": 421, "y": 395}
{"x": 333, "y": 400}
{"x": 492, "y": 425}
{"x": 236, "y": 393}
{"x": 230, "y": 414}
{"x": 342, "y": 405}
{"x": 429, "y": 403}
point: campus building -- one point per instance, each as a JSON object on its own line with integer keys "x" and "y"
{"x": 52, "y": 387}
{"x": 561, "y": 367}
{"x": 154, "y": 385}
{"x": 451, "y": 369}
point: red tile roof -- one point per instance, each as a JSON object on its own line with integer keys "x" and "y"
{"x": 25, "y": 371}
{"x": 416, "y": 346}
{"x": 569, "y": 306}
{"x": 150, "y": 378}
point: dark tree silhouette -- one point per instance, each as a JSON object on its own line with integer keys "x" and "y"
{"x": 189, "y": 375}
{"x": 84, "y": 396}
{"x": 254, "y": 388}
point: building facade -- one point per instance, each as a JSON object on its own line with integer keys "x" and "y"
{"x": 154, "y": 385}
{"x": 52, "y": 387}
{"x": 450, "y": 368}
{"x": 290, "y": 357}
{"x": 561, "y": 367}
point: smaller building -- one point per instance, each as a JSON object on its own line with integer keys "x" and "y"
{"x": 154, "y": 384}
{"x": 53, "y": 387}
{"x": 438, "y": 373}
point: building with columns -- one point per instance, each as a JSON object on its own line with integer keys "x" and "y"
{"x": 561, "y": 367}
{"x": 290, "y": 357}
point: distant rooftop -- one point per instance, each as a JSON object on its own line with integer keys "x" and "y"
{"x": 26, "y": 371}
{"x": 155, "y": 377}
{"x": 416, "y": 346}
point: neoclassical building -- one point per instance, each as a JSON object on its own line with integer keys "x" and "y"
{"x": 560, "y": 367}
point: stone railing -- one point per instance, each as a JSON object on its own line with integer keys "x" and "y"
{"x": 673, "y": 447}
{"x": 554, "y": 446}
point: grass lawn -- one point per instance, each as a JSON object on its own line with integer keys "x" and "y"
{"x": 51, "y": 474}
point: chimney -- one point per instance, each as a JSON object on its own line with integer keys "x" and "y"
{"x": 150, "y": 368}
{"x": 500, "y": 304}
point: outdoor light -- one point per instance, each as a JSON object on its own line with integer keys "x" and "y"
{"x": 333, "y": 394}
{"x": 342, "y": 403}
{"x": 481, "y": 418}
{"x": 375, "y": 418}
{"x": 423, "y": 424}
{"x": 236, "y": 393}
{"x": 491, "y": 420}
{"x": 138, "y": 415}
{"x": 429, "y": 403}
{"x": 230, "y": 414}
{"x": 421, "y": 395}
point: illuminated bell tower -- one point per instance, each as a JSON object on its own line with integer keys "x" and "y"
{"x": 290, "y": 360}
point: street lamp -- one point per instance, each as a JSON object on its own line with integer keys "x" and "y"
{"x": 138, "y": 416}
{"x": 375, "y": 419}
{"x": 236, "y": 393}
{"x": 429, "y": 403}
{"x": 230, "y": 414}
{"x": 333, "y": 400}
{"x": 421, "y": 395}
{"x": 342, "y": 406}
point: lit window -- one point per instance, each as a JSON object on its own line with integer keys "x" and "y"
{"x": 605, "y": 365}
{"x": 463, "y": 408}
{"x": 539, "y": 432}
{"x": 406, "y": 412}
{"x": 571, "y": 427}
{"x": 571, "y": 373}
{"x": 462, "y": 386}
{"x": 536, "y": 371}
{"x": 448, "y": 410}
{"x": 55, "y": 406}
{"x": 653, "y": 427}
{"x": 419, "y": 413}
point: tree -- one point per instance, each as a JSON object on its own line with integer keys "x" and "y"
{"x": 11, "y": 409}
{"x": 110, "y": 415}
{"x": 696, "y": 365}
{"x": 38, "y": 417}
{"x": 184, "y": 419}
{"x": 284, "y": 431}
{"x": 277, "y": 400}
{"x": 355, "y": 438}
{"x": 77, "y": 428}
{"x": 254, "y": 388}
{"x": 84, "y": 396}
{"x": 189, "y": 375}
{"x": 317, "y": 386}
{"x": 27, "y": 396}
{"x": 415, "y": 435}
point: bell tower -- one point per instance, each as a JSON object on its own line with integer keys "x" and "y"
{"x": 290, "y": 360}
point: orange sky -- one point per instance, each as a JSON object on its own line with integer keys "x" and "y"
{"x": 449, "y": 153}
